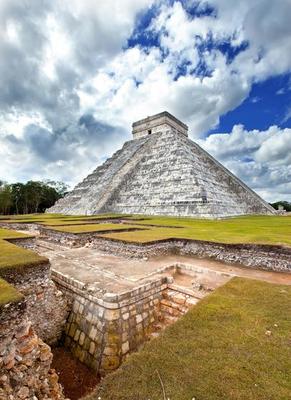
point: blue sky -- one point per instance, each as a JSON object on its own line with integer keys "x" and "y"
{"x": 73, "y": 78}
{"x": 267, "y": 104}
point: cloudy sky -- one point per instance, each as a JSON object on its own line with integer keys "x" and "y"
{"x": 75, "y": 74}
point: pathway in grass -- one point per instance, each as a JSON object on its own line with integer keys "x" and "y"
{"x": 234, "y": 345}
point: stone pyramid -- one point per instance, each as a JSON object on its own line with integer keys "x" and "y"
{"x": 162, "y": 172}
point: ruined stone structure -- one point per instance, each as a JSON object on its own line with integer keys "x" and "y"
{"x": 103, "y": 328}
{"x": 27, "y": 325}
{"x": 162, "y": 172}
{"x": 25, "y": 360}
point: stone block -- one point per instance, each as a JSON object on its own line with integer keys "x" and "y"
{"x": 82, "y": 338}
{"x": 191, "y": 301}
{"x": 77, "y": 335}
{"x": 125, "y": 347}
{"x": 179, "y": 298}
{"x": 92, "y": 348}
{"x": 112, "y": 315}
{"x": 125, "y": 316}
{"x": 72, "y": 330}
{"x": 93, "y": 332}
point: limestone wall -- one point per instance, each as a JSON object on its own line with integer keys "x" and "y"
{"x": 267, "y": 257}
{"x": 46, "y": 307}
{"x": 158, "y": 123}
{"x": 101, "y": 331}
{"x": 25, "y": 359}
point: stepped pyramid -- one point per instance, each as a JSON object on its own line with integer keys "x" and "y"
{"x": 162, "y": 172}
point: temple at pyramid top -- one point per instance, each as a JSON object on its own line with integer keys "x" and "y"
{"x": 162, "y": 172}
{"x": 161, "y": 122}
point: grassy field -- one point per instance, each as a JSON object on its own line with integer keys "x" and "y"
{"x": 14, "y": 257}
{"x": 234, "y": 345}
{"x": 91, "y": 228}
{"x": 9, "y": 234}
{"x": 51, "y": 219}
{"x": 251, "y": 229}
{"x": 8, "y": 294}
{"x": 246, "y": 229}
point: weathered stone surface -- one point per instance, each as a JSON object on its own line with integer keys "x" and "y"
{"x": 25, "y": 359}
{"x": 162, "y": 172}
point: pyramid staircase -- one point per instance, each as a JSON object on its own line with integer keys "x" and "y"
{"x": 162, "y": 172}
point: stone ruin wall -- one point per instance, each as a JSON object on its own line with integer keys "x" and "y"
{"x": 101, "y": 332}
{"x": 267, "y": 257}
{"x": 46, "y": 307}
{"x": 26, "y": 329}
{"x": 25, "y": 359}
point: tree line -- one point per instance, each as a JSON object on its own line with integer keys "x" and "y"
{"x": 285, "y": 204}
{"x": 30, "y": 197}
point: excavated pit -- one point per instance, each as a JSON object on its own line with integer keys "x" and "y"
{"x": 119, "y": 301}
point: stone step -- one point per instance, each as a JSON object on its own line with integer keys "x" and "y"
{"x": 169, "y": 320}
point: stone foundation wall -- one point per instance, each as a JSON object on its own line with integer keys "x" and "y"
{"x": 267, "y": 257}
{"x": 100, "y": 332}
{"x": 65, "y": 238}
{"x": 175, "y": 302}
{"x": 25, "y": 359}
{"x": 46, "y": 307}
{"x": 32, "y": 227}
{"x": 26, "y": 243}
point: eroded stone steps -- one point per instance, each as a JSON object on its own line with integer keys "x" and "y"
{"x": 173, "y": 305}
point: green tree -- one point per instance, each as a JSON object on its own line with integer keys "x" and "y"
{"x": 30, "y": 197}
{"x": 285, "y": 204}
{"x": 5, "y": 198}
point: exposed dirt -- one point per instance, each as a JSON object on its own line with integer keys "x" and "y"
{"x": 76, "y": 378}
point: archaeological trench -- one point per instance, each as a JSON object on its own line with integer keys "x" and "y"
{"x": 102, "y": 299}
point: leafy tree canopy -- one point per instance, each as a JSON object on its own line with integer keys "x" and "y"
{"x": 285, "y": 204}
{"x": 29, "y": 197}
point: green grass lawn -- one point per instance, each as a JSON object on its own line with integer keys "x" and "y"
{"x": 9, "y": 234}
{"x": 220, "y": 350}
{"x": 87, "y": 228}
{"x": 57, "y": 219}
{"x": 250, "y": 229}
{"x": 8, "y": 294}
{"x": 14, "y": 257}
{"x": 246, "y": 229}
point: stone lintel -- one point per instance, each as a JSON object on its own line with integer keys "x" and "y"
{"x": 161, "y": 122}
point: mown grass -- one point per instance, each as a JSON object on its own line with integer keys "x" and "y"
{"x": 251, "y": 229}
{"x": 12, "y": 256}
{"x": 246, "y": 229}
{"x": 234, "y": 345}
{"x": 91, "y": 228}
{"x": 15, "y": 258}
{"x": 9, "y": 234}
{"x": 57, "y": 219}
{"x": 8, "y": 294}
